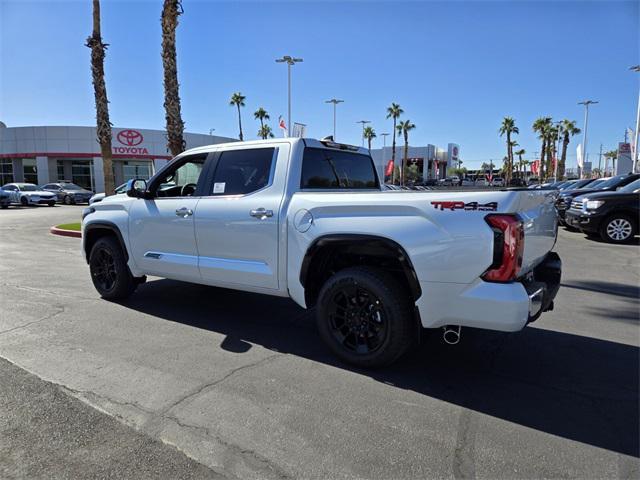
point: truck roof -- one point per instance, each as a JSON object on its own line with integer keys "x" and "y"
{"x": 309, "y": 142}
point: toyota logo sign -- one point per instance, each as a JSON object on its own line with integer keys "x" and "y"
{"x": 130, "y": 138}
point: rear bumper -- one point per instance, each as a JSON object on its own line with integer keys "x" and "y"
{"x": 506, "y": 307}
{"x": 542, "y": 285}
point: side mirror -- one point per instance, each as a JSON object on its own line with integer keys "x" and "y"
{"x": 136, "y": 188}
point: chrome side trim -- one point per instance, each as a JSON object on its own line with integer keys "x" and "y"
{"x": 249, "y": 266}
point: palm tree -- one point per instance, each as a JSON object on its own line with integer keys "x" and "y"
{"x": 540, "y": 126}
{"x": 237, "y": 100}
{"x": 265, "y": 132}
{"x": 175, "y": 126}
{"x": 520, "y": 153}
{"x": 404, "y": 127}
{"x": 611, "y": 154}
{"x": 508, "y": 128}
{"x": 567, "y": 130}
{"x": 512, "y": 162}
{"x": 394, "y": 111}
{"x": 552, "y": 141}
{"x": 369, "y": 133}
{"x": 103, "y": 125}
{"x": 262, "y": 115}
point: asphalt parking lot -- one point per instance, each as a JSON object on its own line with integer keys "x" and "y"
{"x": 241, "y": 384}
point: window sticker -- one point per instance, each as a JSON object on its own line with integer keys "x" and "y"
{"x": 218, "y": 187}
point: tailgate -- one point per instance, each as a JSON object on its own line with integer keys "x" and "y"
{"x": 538, "y": 213}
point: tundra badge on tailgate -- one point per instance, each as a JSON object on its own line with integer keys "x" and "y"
{"x": 458, "y": 205}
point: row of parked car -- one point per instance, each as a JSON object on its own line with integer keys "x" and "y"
{"x": 608, "y": 208}
{"x": 27, "y": 194}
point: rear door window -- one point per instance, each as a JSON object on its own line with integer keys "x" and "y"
{"x": 335, "y": 169}
{"x": 240, "y": 172}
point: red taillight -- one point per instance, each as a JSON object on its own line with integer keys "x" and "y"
{"x": 508, "y": 248}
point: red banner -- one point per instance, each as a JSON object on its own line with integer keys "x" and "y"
{"x": 389, "y": 169}
{"x": 535, "y": 167}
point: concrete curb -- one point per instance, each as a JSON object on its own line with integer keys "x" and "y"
{"x": 65, "y": 233}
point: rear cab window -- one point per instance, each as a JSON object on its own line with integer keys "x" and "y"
{"x": 328, "y": 169}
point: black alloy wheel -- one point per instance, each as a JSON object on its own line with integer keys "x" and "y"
{"x": 109, "y": 271}
{"x": 103, "y": 269}
{"x": 357, "y": 319}
{"x": 365, "y": 316}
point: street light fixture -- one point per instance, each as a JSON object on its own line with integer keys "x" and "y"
{"x": 586, "y": 104}
{"x": 363, "y": 122}
{"x": 636, "y": 68}
{"x": 384, "y": 139}
{"x": 211, "y": 130}
{"x": 335, "y": 102}
{"x": 289, "y": 61}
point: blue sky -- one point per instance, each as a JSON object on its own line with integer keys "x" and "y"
{"x": 455, "y": 67}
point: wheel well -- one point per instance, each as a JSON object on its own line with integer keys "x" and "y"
{"x": 94, "y": 232}
{"x": 328, "y": 255}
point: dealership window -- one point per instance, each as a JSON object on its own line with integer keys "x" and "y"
{"x": 81, "y": 171}
{"x": 136, "y": 170}
{"x": 60, "y": 168}
{"x": 29, "y": 170}
{"x": 6, "y": 171}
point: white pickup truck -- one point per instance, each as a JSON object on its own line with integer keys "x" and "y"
{"x": 308, "y": 219}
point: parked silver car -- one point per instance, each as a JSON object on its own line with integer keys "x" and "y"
{"x": 68, "y": 192}
{"x": 29, "y": 194}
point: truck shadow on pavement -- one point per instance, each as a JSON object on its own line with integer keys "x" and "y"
{"x": 575, "y": 387}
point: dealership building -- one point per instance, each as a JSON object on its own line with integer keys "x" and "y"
{"x": 48, "y": 154}
{"x": 43, "y": 155}
{"x": 432, "y": 161}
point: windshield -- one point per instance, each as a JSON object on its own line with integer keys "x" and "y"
{"x": 612, "y": 182}
{"x": 28, "y": 188}
{"x": 596, "y": 183}
{"x": 633, "y": 186}
{"x": 579, "y": 184}
{"x": 70, "y": 186}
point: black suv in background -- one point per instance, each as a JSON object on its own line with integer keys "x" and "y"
{"x": 592, "y": 185}
{"x": 612, "y": 215}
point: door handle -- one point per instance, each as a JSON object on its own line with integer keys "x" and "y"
{"x": 184, "y": 212}
{"x": 261, "y": 213}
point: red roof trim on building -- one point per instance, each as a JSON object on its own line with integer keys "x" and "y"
{"x": 80, "y": 155}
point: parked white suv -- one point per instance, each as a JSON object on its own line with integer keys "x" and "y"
{"x": 308, "y": 219}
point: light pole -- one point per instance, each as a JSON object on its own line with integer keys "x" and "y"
{"x": 363, "y": 122}
{"x": 586, "y": 104}
{"x": 384, "y": 140}
{"x": 636, "y": 68}
{"x": 211, "y": 130}
{"x": 335, "y": 102}
{"x": 289, "y": 61}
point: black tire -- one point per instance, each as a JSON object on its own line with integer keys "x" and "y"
{"x": 68, "y": 200}
{"x": 618, "y": 228}
{"x": 4, "y": 206}
{"x": 24, "y": 202}
{"x": 109, "y": 271}
{"x": 365, "y": 317}
{"x": 52, "y": 204}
